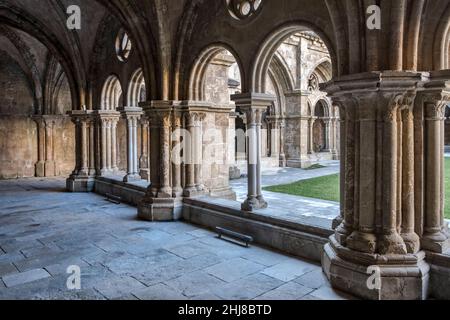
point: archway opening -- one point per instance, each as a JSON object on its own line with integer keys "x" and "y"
{"x": 303, "y": 126}
{"x": 37, "y": 136}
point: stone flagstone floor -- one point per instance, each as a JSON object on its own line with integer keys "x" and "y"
{"x": 44, "y": 230}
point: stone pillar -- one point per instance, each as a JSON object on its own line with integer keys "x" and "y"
{"x": 114, "y": 145}
{"x": 254, "y": 105}
{"x": 282, "y": 126}
{"x": 376, "y": 239}
{"x": 408, "y": 233}
{"x": 92, "y": 165}
{"x": 191, "y": 119}
{"x": 435, "y": 238}
{"x": 235, "y": 172}
{"x": 107, "y": 121}
{"x": 177, "y": 190}
{"x": 103, "y": 142}
{"x": 144, "y": 160}
{"x": 165, "y": 190}
{"x": 109, "y": 146}
{"x": 40, "y": 164}
{"x": 198, "y": 153}
{"x": 50, "y": 166}
{"x": 160, "y": 202}
{"x": 81, "y": 179}
{"x": 311, "y": 135}
{"x": 132, "y": 116}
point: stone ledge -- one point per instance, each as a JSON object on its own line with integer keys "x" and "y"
{"x": 440, "y": 275}
{"x": 304, "y": 241}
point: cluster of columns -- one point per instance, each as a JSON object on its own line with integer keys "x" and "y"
{"x": 107, "y": 125}
{"x": 82, "y": 178}
{"x": 176, "y": 160}
{"x": 276, "y": 128}
{"x": 46, "y": 126}
{"x": 392, "y": 183}
{"x": 330, "y": 134}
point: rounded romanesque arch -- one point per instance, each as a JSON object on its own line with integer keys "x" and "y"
{"x": 137, "y": 91}
{"x": 196, "y": 87}
{"x": 112, "y": 94}
{"x": 268, "y": 48}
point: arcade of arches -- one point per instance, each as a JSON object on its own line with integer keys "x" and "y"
{"x": 162, "y": 104}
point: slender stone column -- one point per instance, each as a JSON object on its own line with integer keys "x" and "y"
{"x": 132, "y": 115}
{"x": 282, "y": 147}
{"x": 114, "y": 123}
{"x": 311, "y": 135}
{"x": 50, "y": 166}
{"x": 143, "y": 160}
{"x": 165, "y": 190}
{"x": 92, "y": 128}
{"x": 198, "y": 153}
{"x": 104, "y": 152}
{"x": 40, "y": 164}
{"x": 191, "y": 119}
{"x": 109, "y": 145}
{"x": 135, "y": 149}
{"x": 408, "y": 233}
{"x": 391, "y": 242}
{"x": 363, "y": 238}
{"x": 154, "y": 151}
{"x": 84, "y": 147}
{"x": 254, "y": 105}
{"x": 177, "y": 190}
{"x": 435, "y": 238}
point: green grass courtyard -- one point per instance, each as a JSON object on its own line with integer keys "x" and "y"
{"x": 327, "y": 188}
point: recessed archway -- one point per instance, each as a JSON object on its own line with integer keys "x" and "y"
{"x": 111, "y": 94}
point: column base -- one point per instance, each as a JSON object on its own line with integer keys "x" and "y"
{"x": 362, "y": 242}
{"x": 440, "y": 275}
{"x": 40, "y": 169}
{"x": 402, "y": 277}
{"x": 145, "y": 174}
{"x": 132, "y": 177}
{"x": 252, "y": 204}
{"x": 438, "y": 242}
{"x": 235, "y": 173}
{"x": 50, "y": 168}
{"x": 223, "y": 193}
{"x": 154, "y": 209}
{"x": 192, "y": 192}
{"x": 80, "y": 183}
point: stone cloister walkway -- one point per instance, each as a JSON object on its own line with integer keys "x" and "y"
{"x": 294, "y": 208}
{"x": 43, "y": 230}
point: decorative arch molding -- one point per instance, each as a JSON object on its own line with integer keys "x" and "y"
{"x": 30, "y": 62}
{"x": 280, "y": 68}
{"x": 325, "y": 104}
{"x": 324, "y": 69}
{"x": 271, "y": 44}
{"x": 279, "y": 91}
{"x": 196, "y": 87}
{"x": 135, "y": 88}
{"x": 442, "y": 42}
{"x": 111, "y": 94}
{"x": 54, "y": 79}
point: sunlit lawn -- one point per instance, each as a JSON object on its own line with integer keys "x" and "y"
{"x": 327, "y": 188}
